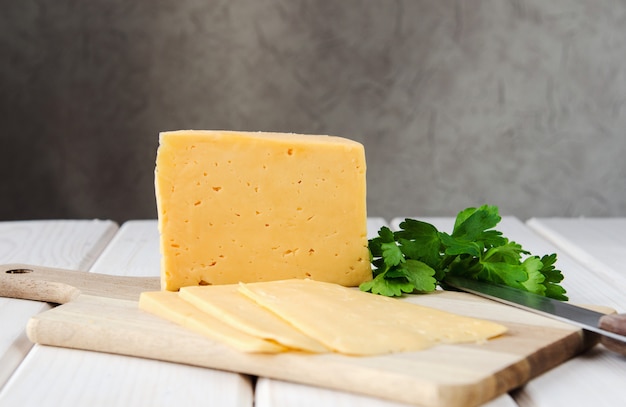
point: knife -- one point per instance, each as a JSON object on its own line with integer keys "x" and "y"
{"x": 611, "y": 327}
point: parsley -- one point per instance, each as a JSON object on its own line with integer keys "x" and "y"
{"x": 418, "y": 257}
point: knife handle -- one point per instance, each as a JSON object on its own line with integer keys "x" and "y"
{"x": 615, "y": 323}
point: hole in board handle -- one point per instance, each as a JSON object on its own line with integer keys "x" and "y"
{"x": 18, "y": 271}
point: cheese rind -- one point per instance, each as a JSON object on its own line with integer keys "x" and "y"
{"x": 247, "y": 207}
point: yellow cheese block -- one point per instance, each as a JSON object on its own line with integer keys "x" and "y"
{"x": 252, "y": 206}
{"x": 227, "y": 304}
{"x": 169, "y": 306}
{"x": 352, "y": 322}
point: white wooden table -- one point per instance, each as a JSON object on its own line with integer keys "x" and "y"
{"x": 589, "y": 253}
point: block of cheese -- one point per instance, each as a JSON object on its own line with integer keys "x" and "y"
{"x": 170, "y": 306}
{"x": 352, "y": 322}
{"x": 227, "y": 304}
{"x": 253, "y": 206}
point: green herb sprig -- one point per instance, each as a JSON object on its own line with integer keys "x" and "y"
{"x": 418, "y": 257}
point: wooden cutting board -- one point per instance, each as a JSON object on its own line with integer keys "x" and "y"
{"x": 100, "y": 313}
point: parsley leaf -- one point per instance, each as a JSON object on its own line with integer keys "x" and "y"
{"x": 390, "y": 287}
{"x": 419, "y": 241}
{"x": 418, "y": 273}
{"x": 392, "y": 255}
{"x": 418, "y": 257}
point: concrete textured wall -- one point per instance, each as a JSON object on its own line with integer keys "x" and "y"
{"x": 520, "y": 103}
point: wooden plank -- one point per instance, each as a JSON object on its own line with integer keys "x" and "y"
{"x": 374, "y": 225}
{"x": 73, "y": 244}
{"x": 103, "y": 379}
{"x": 598, "y": 244}
{"x": 277, "y": 393}
{"x": 591, "y": 254}
{"x": 69, "y": 377}
{"x": 133, "y": 251}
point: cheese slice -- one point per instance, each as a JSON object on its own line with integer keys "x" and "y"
{"x": 356, "y": 323}
{"x": 253, "y": 206}
{"x": 227, "y": 304}
{"x": 169, "y": 306}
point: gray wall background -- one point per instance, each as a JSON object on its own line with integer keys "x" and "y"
{"x": 520, "y": 103}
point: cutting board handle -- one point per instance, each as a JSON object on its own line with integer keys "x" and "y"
{"x": 59, "y": 286}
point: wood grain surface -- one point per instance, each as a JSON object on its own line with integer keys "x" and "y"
{"x": 60, "y": 286}
{"x": 446, "y": 375}
{"x": 72, "y": 244}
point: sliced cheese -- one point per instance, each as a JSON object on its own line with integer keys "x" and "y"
{"x": 169, "y": 306}
{"x": 356, "y": 323}
{"x": 253, "y": 206}
{"x": 227, "y": 304}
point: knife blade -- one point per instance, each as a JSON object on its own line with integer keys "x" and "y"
{"x": 611, "y": 327}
